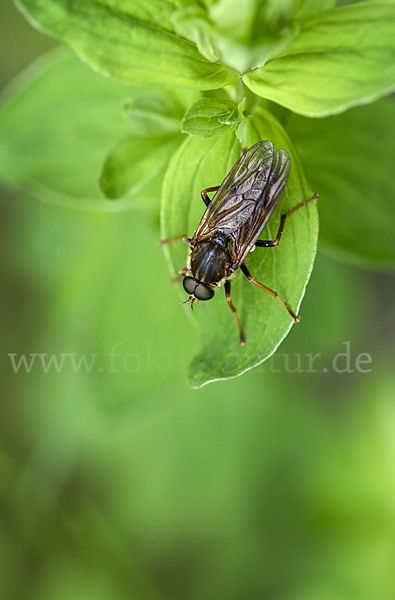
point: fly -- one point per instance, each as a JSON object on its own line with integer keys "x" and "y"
{"x": 232, "y": 223}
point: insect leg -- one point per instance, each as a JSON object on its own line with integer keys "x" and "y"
{"x": 227, "y": 294}
{"x": 271, "y": 243}
{"x": 174, "y": 238}
{"x": 264, "y": 287}
{"x": 204, "y": 196}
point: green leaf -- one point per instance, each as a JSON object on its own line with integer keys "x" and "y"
{"x": 193, "y": 23}
{"x": 134, "y": 163}
{"x": 342, "y": 58}
{"x": 350, "y": 161}
{"x": 148, "y": 119}
{"x": 159, "y": 114}
{"x": 310, "y": 6}
{"x": 128, "y": 42}
{"x": 211, "y": 116}
{"x": 138, "y": 165}
{"x": 199, "y": 164}
{"x": 56, "y": 125}
{"x": 246, "y": 33}
{"x": 252, "y": 20}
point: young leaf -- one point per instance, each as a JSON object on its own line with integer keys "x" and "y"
{"x": 56, "y": 125}
{"x": 158, "y": 114}
{"x": 311, "y": 6}
{"x": 211, "y": 116}
{"x": 342, "y": 58}
{"x": 252, "y": 21}
{"x": 199, "y": 164}
{"x": 193, "y": 23}
{"x": 128, "y": 42}
{"x": 246, "y": 32}
{"x": 134, "y": 163}
{"x": 350, "y": 160}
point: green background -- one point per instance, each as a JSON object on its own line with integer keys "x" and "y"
{"x": 122, "y": 482}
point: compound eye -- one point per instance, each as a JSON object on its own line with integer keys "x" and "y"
{"x": 203, "y": 292}
{"x": 189, "y": 284}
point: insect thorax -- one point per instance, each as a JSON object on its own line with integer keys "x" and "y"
{"x": 208, "y": 262}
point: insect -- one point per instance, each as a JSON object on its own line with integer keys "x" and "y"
{"x": 232, "y": 223}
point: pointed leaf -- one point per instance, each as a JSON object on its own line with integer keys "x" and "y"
{"x": 158, "y": 114}
{"x": 252, "y": 21}
{"x": 134, "y": 163}
{"x": 342, "y": 58}
{"x": 193, "y": 23}
{"x": 247, "y": 32}
{"x": 199, "y": 164}
{"x": 132, "y": 44}
{"x": 211, "y": 116}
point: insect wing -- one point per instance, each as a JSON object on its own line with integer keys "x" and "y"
{"x": 237, "y": 197}
{"x": 278, "y": 179}
{"x": 252, "y": 229}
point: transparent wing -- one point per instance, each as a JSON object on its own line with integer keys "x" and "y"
{"x": 241, "y": 190}
{"x": 248, "y": 234}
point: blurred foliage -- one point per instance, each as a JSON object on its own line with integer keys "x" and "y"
{"x": 350, "y": 157}
{"x": 126, "y": 484}
{"x": 122, "y": 483}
